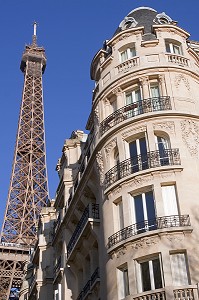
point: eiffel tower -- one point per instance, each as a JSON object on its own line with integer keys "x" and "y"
{"x": 28, "y": 190}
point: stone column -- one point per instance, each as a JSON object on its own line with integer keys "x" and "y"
{"x": 120, "y": 101}
{"x": 162, "y": 85}
{"x": 144, "y": 81}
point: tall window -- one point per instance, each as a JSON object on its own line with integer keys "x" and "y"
{"x": 127, "y": 53}
{"x": 163, "y": 146}
{"x": 138, "y": 154}
{"x": 144, "y": 212}
{"x": 155, "y": 95}
{"x": 150, "y": 275}
{"x": 133, "y": 102}
{"x": 179, "y": 269}
{"x": 123, "y": 282}
{"x": 173, "y": 47}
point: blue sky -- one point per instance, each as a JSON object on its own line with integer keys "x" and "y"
{"x": 71, "y": 32}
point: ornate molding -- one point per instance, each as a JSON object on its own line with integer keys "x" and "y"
{"x": 179, "y": 78}
{"x": 96, "y": 114}
{"x": 144, "y": 80}
{"x": 133, "y": 130}
{"x": 168, "y": 126}
{"x": 117, "y": 91}
{"x": 100, "y": 166}
{"x": 190, "y": 136}
{"x": 110, "y": 146}
{"x": 145, "y": 243}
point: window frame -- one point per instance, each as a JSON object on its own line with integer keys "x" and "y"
{"x": 129, "y": 52}
{"x": 172, "y": 45}
{"x": 149, "y": 259}
{"x": 123, "y": 281}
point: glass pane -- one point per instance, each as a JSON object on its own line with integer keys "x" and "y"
{"x": 137, "y": 95}
{"x": 139, "y": 214}
{"x": 168, "y": 48}
{"x": 134, "y": 157}
{"x": 146, "y": 281}
{"x": 124, "y": 56}
{"x": 150, "y": 205}
{"x": 133, "y": 149}
{"x": 155, "y": 91}
{"x": 129, "y": 98}
{"x": 157, "y": 273}
{"x": 143, "y": 152}
{"x": 176, "y": 49}
{"x": 132, "y": 52}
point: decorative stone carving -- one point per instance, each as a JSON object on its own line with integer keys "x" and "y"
{"x": 106, "y": 101}
{"x": 111, "y": 145}
{"x": 190, "y": 136}
{"x": 175, "y": 238}
{"x": 100, "y": 166}
{"x": 168, "y": 126}
{"x": 179, "y": 78}
{"x": 96, "y": 114}
{"x": 117, "y": 91}
{"x": 133, "y": 130}
{"x": 121, "y": 252}
{"x": 146, "y": 242}
{"x": 144, "y": 80}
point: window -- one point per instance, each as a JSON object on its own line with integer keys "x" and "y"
{"x": 127, "y": 53}
{"x": 169, "y": 200}
{"x": 150, "y": 275}
{"x": 179, "y": 269}
{"x": 155, "y": 95}
{"x": 133, "y": 103}
{"x": 123, "y": 282}
{"x": 173, "y": 47}
{"x": 163, "y": 146}
{"x": 138, "y": 154}
{"x": 144, "y": 212}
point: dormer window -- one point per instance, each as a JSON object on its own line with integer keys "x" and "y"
{"x": 173, "y": 47}
{"x": 127, "y": 53}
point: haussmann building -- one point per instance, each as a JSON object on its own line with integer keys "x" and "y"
{"x": 124, "y": 222}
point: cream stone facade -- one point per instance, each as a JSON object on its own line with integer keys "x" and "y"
{"x": 124, "y": 223}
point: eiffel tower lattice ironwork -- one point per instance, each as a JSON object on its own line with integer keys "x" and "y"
{"x": 28, "y": 190}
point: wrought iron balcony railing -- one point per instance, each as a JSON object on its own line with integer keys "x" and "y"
{"x": 152, "y": 159}
{"x": 91, "y": 211}
{"x": 88, "y": 286}
{"x": 57, "y": 267}
{"x": 148, "y": 225}
{"x": 135, "y": 109}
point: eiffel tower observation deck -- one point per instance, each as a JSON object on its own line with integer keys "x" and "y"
{"x": 28, "y": 190}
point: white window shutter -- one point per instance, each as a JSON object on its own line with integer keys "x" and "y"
{"x": 169, "y": 200}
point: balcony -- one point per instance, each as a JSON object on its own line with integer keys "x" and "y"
{"x": 148, "y": 225}
{"x": 135, "y": 109}
{"x": 128, "y": 64}
{"x": 152, "y": 159}
{"x": 90, "y": 212}
{"x": 167, "y": 293}
{"x": 89, "y": 285}
{"x": 56, "y": 224}
{"x": 177, "y": 59}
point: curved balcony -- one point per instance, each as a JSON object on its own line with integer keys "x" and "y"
{"x": 135, "y": 109}
{"x": 152, "y": 159}
{"x": 148, "y": 225}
